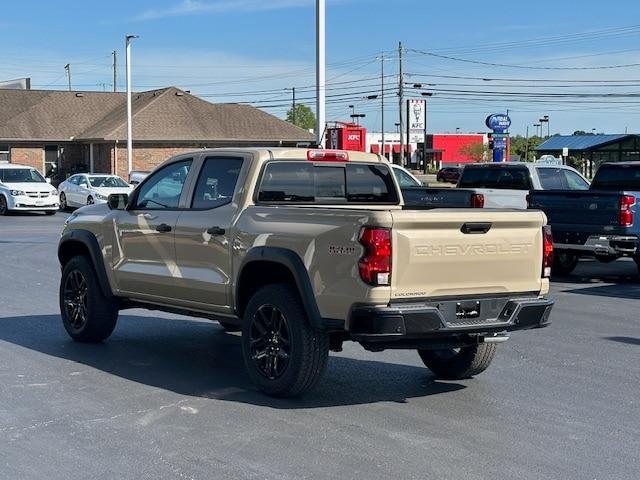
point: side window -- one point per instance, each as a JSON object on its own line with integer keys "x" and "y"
{"x": 73, "y": 180}
{"x": 164, "y": 187}
{"x": 83, "y": 182}
{"x": 551, "y": 179}
{"x": 575, "y": 181}
{"x": 217, "y": 182}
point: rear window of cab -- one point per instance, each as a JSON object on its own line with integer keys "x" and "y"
{"x": 303, "y": 182}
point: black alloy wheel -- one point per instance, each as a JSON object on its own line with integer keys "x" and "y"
{"x": 3, "y": 205}
{"x": 90, "y": 201}
{"x": 75, "y": 299}
{"x": 63, "y": 201}
{"x": 270, "y": 341}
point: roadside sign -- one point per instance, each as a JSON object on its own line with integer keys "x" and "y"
{"x": 565, "y": 152}
{"x": 549, "y": 160}
{"x": 416, "y": 120}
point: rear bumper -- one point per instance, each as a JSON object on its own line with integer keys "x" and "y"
{"x": 603, "y": 245}
{"x": 450, "y": 319}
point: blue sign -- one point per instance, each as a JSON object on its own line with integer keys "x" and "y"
{"x": 498, "y": 122}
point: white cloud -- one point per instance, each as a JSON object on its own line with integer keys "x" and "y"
{"x": 195, "y": 7}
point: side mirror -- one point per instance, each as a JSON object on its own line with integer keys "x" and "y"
{"x": 48, "y": 180}
{"x": 118, "y": 201}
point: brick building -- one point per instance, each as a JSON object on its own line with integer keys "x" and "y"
{"x": 87, "y": 131}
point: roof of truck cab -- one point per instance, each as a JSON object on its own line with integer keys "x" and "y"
{"x": 283, "y": 153}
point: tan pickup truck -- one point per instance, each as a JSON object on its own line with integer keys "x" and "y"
{"x": 301, "y": 250}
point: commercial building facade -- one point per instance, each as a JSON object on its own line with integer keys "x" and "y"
{"x": 440, "y": 149}
{"x": 590, "y": 151}
{"x": 65, "y": 132}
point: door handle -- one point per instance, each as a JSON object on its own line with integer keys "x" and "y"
{"x": 163, "y": 228}
{"x": 216, "y": 231}
{"x": 475, "y": 228}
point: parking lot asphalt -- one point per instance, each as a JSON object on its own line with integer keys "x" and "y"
{"x": 167, "y": 396}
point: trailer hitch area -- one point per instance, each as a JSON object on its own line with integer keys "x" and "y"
{"x": 469, "y": 309}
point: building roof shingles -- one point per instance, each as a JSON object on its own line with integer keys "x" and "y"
{"x": 162, "y": 115}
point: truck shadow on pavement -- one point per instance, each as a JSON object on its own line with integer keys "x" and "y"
{"x": 197, "y": 358}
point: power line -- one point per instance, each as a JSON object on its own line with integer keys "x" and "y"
{"x": 528, "y": 67}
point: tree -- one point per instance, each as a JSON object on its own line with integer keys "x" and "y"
{"x": 519, "y": 146}
{"x": 475, "y": 151}
{"x": 304, "y": 117}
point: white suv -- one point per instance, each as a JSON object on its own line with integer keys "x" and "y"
{"x": 23, "y": 189}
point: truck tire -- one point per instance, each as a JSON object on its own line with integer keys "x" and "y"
{"x": 458, "y": 363}
{"x": 283, "y": 354}
{"x": 87, "y": 315}
{"x": 564, "y": 263}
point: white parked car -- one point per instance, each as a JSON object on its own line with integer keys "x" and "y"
{"x": 86, "y": 189}
{"x": 507, "y": 185}
{"x": 24, "y": 189}
{"x": 405, "y": 177}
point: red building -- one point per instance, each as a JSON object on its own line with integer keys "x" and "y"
{"x": 454, "y": 148}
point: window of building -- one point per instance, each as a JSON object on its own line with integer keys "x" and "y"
{"x": 5, "y": 152}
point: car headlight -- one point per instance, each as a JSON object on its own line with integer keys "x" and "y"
{"x": 17, "y": 193}
{"x": 53, "y": 192}
{"x": 101, "y": 196}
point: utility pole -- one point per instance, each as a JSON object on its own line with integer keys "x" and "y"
{"x": 67, "y": 67}
{"x": 382, "y": 102}
{"x": 526, "y": 148}
{"x": 401, "y": 104}
{"x": 293, "y": 92}
{"x": 115, "y": 71}
{"x": 128, "y": 39}
{"x": 320, "y": 70}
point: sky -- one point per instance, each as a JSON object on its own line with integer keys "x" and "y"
{"x": 580, "y": 66}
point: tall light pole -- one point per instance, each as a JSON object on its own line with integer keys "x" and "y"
{"x": 382, "y": 102}
{"x": 320, "y": 70}
{"x": 128, "y": 39}
{"x": 538, "y": 125}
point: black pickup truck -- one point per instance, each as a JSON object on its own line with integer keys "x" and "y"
{"x": 601, "y": 222}
{"x": 426, "y": 198}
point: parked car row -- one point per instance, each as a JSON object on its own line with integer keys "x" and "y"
{"x": 24, "y": 189}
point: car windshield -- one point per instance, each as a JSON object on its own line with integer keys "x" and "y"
{"x": 500, "y": 177}
{"x": 20, "y": 175}
{"x": 107, "y": 182}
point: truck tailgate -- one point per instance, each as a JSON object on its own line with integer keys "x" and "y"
{"x": 578, "y": 207}
{"x": 440, "y": 253}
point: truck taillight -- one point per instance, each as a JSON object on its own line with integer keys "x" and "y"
{"x": 477, "y": 200}
{"x": 547, "y": 251}
{"x": 626, "y": 214}
{"x": 375, "y": 265}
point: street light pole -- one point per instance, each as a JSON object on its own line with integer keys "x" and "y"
{"x": 67, "y": 67}
{"x": 526, "y": 148}
{"x": 128, "y": 39}
{"x": 320, "y": 70}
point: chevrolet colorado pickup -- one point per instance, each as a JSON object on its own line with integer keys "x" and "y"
{"x": 601, "y": 222}
{"x": 301, "y": 250}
